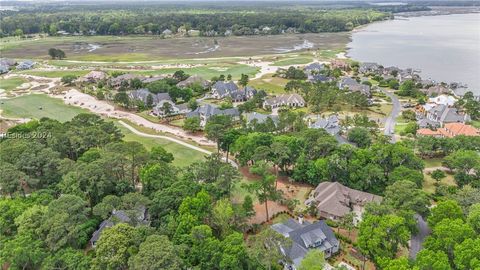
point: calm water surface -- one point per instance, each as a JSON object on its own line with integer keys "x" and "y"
{"x": 445, "y": 48}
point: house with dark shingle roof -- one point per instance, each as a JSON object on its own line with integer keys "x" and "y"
{"x": 330, "y": 124}
{"x": 314, "y": 68}
{"x": 260, "y": 118}
{"x": 319, "y": 78}
{"x": 351, "y": 84}
{"x": 194, "y": 79}
{"x": 27, "y": 64}
{"x": 175, "y": 109}
{"x": 305, "y": 236}
{"x": 444, "y": 114}
{"x": 116, "y": 82}
{"x": 370, "y": 68}
{"x": 135, "y": 217}
{"x": 142, "y": 95}
{"x": 204, "y": 112}
{"x": 290, "y": 100}
{"x": 243, "y": 94}
{"x": 223, "y": 89}
{"x": 334, "y": 200}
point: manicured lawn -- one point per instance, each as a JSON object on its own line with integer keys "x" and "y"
{"x": 293, "y": 61}
{"x": 11, "y": 83}
{"x": 429, "y": 182}
{"x": 125, "y": 57}
{"x": 178, "y": 122}
{"x": 272, "y": 85}
{"x": 38, "y": 106}
{"x": 209, "y": 71}
{"x": 183, "y": 156}
{"x": 433, "y": 162}
{"x": 54, "y": 73}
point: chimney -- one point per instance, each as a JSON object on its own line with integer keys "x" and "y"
{"x": 300, "y": 219}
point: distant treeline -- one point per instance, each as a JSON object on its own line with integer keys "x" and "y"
{"x": 214, "y": 22}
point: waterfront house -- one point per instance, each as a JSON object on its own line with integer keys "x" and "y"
{"x": 305, "y": 236}
{"x": 289, "y": 100}
{"x": 370, "y": 68}
{"x": 351, "y": 84}
{"x": 444, "y": 114}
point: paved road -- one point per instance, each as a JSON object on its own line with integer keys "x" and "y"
{"x": 390, "y": 120}
{"x": 416, "y": 241}
{"x": 196, "y": 148}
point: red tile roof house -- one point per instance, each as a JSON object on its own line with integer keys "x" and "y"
{"x": 450, "y": 130}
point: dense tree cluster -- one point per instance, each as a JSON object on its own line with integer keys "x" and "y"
{"x": 81, "y": 172}
{"x": 210, "y": 21}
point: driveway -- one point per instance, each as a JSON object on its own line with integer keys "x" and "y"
{"x": 390, "y": 121}
{"x": 416, "y": 241}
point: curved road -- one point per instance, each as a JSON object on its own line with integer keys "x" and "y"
{"x": 390, "y": 120}
{"x": 196, "y": 148}
{"x": 416, "y": 241}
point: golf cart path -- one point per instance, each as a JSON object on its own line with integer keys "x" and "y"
{"x": 196, "y": 148}
{"x": 139, "y": 133}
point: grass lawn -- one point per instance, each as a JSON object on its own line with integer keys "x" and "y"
{"x": 54, "y": 73}
{"x": 239, "y": 191}
{"x": 11, "y": 83}
{"x": 209, "y": 71}
{"x": 28, "y": 106}
{"x": 177, "y": 122}
{"x": 293, "y": 61}
{"x": 475, "y": 123}
{"x": 429, "y": 182}
{"x": 272, "y": 85}
{"x": 183, "y": 156}
{"x": 123, "y": 57}
{"x": 433, "y": 162}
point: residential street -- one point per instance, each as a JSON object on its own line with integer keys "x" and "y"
{"x": 417, "y": 240}
{"x": 390, "y": 120}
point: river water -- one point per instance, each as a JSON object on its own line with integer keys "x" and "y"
{"x": 445, "y": 47}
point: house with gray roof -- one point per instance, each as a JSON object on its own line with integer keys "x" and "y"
{"x": 314, "y": 68}
{"x": 351, "y": 84}
{"x": 194, "y": 79}
{"x": 153, "y": 79}
{"x": 116, "y": 82}
{"x": 436, "y": 90}
{"x": 223, "y": 89}
{"x": 305, "y": 236}
{"x": 330, "y": 124}
{"x": 27, "y": 64}
{"x": 162, "y": 110}
{"x": 6, "y": 64}
{"x": 134, "y": 217}
{"x": 243, "y": 94}
{"x": 334, "y": 200}
{"x": 443, "y": 114}
{"x": 319, "y": 78}
{"x": 260, "y": 118}
{"x": 4, "y": 68}
{"x": 93, "y": 76}
{"x": 142, "y": 95}
{"x": 289, "y": 100}
{"x": 370, "y": 68}
{"x": 206, "y": 111}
